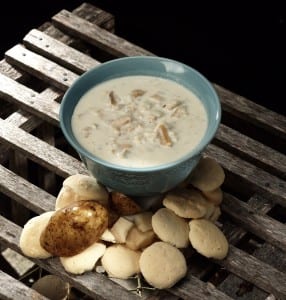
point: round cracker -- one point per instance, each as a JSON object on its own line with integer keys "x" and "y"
{"x": 210, "y": 208}
{"x": 120, "y": 262}
{"x": 186, "y": 203}
{"x": 162, "y": 265}
{"x": 30, "y": 236}
{"x": 214, "y": 196}
{"x": 208, "y": 239}
{"x": 216, "y": 214}
{"x": 170, "y": 228}
{"x": 208, "y": 175}
{"x": 85, "y": 188}
{"x": 85, "y": 260}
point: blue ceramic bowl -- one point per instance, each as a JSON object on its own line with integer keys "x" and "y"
{"x": 147, "y": 181}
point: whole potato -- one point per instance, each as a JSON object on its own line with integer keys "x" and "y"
{"x": 74, "y": 228}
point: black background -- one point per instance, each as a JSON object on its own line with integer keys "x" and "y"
{"x": 238, "y": 46}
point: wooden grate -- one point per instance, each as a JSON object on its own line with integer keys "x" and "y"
{"x": 254, "y": 207}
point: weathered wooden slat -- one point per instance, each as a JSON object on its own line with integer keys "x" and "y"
{"x": 12, "y": 72}
{"x": 47, "y": 179}
{"x": 261, "y": 155}
{"x": 89, "y": 13}
{"x": 58, "y": 51}
{"x": 37, "y": 65}
{"x": 234, "y": 285}
{"x": 96, "y": 36}
{"x": 23, "y": 120}
{"x": 95, "y": 15}
{"x": 18, "y": 163}
{"x": 39, "y": 151}
{"x": 252, "y": 112}
{"x": 24, "y": 192}
{"x": 259, "y": 180}
{"x": 253, "y": 270}
{"x": 11, "y": 289}
{"x": 93, "y": 284}
{"x": 259, "y": 205}
{"x": 193, "y": 288}
{"x": 234, "y": 234}
{"x": 263, "y": 226}
{"x": 44, "y": 105}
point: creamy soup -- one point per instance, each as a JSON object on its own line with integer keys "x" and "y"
{"x": 139, "y": 121}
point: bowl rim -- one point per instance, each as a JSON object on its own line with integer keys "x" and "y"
{"x": 196, "y": 151}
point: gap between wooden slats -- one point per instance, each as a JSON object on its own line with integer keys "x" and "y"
{"x": 263, "y": 226}
{"x": 230, "y": 139}
{"x": 234, "y": 234}
{"x": 92, "y": 284}
{"x": 24, "y": 192}
{"x": 42, "y": 153}
{"x": 255, "y": 152}
{"x": 260, "y": 180}
{"x": 44, "y": 104}
{"x": 44, "y": 69}
{"x": 253, "y": 113}
{"x": 255, "y": 271}
{"x": 58, "y": 51}
{"x": 23, "y": 120}
{"x": 10, "y": 288}
{"x": 96, "y": 36}
{"x": 193, "y": 288}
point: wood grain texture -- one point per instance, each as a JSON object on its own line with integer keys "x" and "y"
{"x": 258, "y": 179}
{"x": 96, "y": 36}
{"x": 44, "y": 105}
{"x": 18, "y": 163}
{"x": 251, "y": 112}
{"x": 263, "y": 226}
{"x": 255, "y": 271}
{"x": 234, "y": 285}
{"x": 24, "y": 192}
{"x": 47, "y": 179}
{"x": 240, "y": 289}
{"x": 11, "y": 289}
{"x": 59, "y": 52}
{"x": 40, "y": 152}
{"x": 193, "y": 288}
{"x": 249, "y": 149}
{"x": 12, "y": 72}
{"x": 37, "y": 65}
{"x": 23, "y": 120}
{"x": 95, "y": 15}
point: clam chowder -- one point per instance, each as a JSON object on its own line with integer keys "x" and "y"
{"x": 139, "y": 121}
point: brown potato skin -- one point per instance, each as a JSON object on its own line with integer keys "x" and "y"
{"x": 74, "y": 228}
{"x": 124, "y": 205}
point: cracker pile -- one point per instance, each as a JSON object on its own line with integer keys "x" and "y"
{"x": 91, "y": 226}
